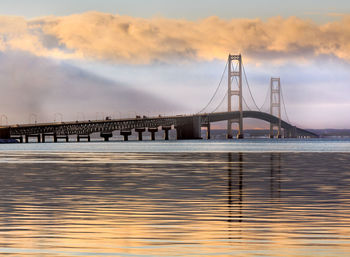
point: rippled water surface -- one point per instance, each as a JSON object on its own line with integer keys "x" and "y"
{"x": 188, "y": 203}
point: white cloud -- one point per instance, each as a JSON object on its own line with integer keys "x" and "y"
{"x": 118, "y": 38}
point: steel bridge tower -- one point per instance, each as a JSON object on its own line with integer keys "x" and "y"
{"x": 235, "y": 89}
{"x": 275, "y": 105}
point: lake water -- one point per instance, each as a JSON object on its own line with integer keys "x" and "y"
{"x": 190, "y": 198}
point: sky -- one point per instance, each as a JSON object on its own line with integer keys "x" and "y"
{"x": 321, "y": 10}
{"x": 88, "y": 59}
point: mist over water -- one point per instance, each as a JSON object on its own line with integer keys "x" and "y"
{"x": 188, "y": 203}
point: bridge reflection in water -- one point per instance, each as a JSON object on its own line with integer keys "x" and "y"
{"x": 235, "y": 168}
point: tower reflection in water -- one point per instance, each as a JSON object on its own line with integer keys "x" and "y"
{"x": 235, "y": 185}
{"x": 235, "y": 170}
{"x": 275, "y": 175}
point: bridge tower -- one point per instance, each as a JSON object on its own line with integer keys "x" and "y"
{"x": 235, "y": 89}
{"x": 275, "y": 105}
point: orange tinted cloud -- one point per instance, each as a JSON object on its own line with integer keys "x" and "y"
{"x": 137, "y": 40}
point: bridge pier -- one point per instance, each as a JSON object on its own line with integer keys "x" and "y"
{"x": 106, "y": 135}
{"x": 166, "y": 132}
{"x": 153, "y": 133}
{"x": 288, "y": 133}
{"x": 277, "y": 136}
{"x": 140, "y": 131}
{"x": 294, "y": 132}
{"x": 208, "y": 130}
{"x": 126, "y": 134}
{"x": 191, "y": 129}
{"x": 83, "y": 136}
{"x": 279, "y": 131}
{"x": 240, "y": 135}
{"x": 291, "y": 132}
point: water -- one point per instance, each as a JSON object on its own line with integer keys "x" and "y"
{"x": 197, "y": 198}
{"x": 246, "y": 145}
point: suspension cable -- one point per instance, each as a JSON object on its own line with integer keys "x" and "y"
{"x": 246, "y": 104}
{"x": 266, "y": 99}
{"x": 250, "y": 92}
{"x": 217, "y": 107}
{"x": 217, "y": 89}
{"x": 284, "y": 105}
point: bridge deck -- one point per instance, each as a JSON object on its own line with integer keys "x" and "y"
{"x": 92, "y": 126}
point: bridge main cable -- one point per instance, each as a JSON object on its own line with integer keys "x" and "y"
{"x": 250, "y": 92}
{"x": 223, "y": 99}
{"x": 217, "y": 89}
{"x": 284, "y": 106}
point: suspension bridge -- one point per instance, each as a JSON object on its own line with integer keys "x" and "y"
{"x": 234, "y": 100}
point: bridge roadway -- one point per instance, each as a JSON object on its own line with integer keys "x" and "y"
{"x": 187, "y": 126}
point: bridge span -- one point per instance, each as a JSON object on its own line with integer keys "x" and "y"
{"x": 187, "y": 127}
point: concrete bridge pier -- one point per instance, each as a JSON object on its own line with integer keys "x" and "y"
{"x": 140, "y": 131}
{"x": 280, "y": 133}
{"x": 153, "y": 133}
{"x": 126, "y": 134}
{"x": 277, "y": 136}
{"x": 240, "y": 135}
{"x": 272, "y": 134}
{"x": 87, "y": 136}
{"x": 191, "y": 129}
{"x": 166, "y": 132}
{"x": 106, "y": 135}
{"x": 292, "y": 132}
{"x": 208, "y": 130}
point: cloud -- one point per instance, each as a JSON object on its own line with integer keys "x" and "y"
{"x": 116, "y": 38}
